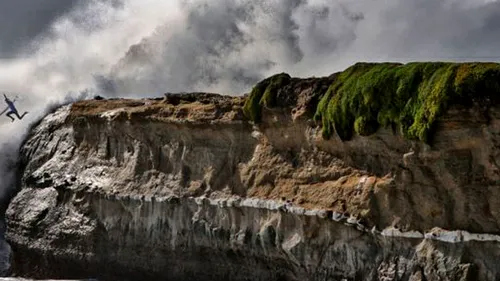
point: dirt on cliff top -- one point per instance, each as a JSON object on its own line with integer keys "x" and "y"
{"x": 190, "y": 107}
{"x": 299, "y": 97}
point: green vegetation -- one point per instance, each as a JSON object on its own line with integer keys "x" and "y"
{"x": 409, "y": 97}
{"x": 264, "y": 94}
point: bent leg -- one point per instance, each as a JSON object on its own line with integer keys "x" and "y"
{"x": 9, "y": 115}
{"x": 21, "y": 117}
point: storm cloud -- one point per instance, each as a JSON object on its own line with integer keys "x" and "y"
{"x": 23, "y": 20}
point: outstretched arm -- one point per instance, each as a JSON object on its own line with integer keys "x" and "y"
{"x": 4, "y": 111}
{"x": 14, "y": 99}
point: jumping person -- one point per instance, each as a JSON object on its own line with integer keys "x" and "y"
{"x": 13, "y": 109}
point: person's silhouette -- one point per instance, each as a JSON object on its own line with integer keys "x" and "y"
{"x": 13, "y": 109}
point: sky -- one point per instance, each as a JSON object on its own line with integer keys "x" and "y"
{"x": 55, "y": 51}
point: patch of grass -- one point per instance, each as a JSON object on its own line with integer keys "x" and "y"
{"x": 410, "y": 97}
{"x": 264, "y": 94}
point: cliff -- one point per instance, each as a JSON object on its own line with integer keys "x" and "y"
{"x": 380, "y": 172}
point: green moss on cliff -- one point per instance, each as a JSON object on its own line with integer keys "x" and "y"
{"x": 410, "y": 97}
{"x": 264, "y": 94}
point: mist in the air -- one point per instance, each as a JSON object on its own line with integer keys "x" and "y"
{"x": 52, "y": 51}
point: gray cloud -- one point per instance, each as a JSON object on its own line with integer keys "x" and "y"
{"x": 212, "y": 47}
{"x": 23, "y": 20}
{"x": 429, "y": 30}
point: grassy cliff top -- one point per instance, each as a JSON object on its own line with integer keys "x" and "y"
{"x": 409, "y": 97}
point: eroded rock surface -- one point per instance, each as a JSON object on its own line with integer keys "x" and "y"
{"x": 185, "y": 188}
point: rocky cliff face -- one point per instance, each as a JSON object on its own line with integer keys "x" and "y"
{"x": 187, "y": 188}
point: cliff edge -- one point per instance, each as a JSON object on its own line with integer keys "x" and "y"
{"x": 380, "y": 172}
